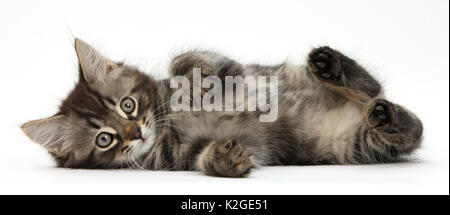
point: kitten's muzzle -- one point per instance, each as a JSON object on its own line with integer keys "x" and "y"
{"x": 133, "y": 132}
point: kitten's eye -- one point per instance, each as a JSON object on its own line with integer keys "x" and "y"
{"x": 127, "y": 105}
{"x": 104, "y": 139}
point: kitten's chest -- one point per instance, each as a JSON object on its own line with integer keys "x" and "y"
{"x": 215, "y": 125}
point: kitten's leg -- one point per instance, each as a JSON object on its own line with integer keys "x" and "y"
{"x": 342, "y": 74}
{"x": 210, "y": 63}
{"x": 225, "y": 158}
{"x": 391, "y": 131}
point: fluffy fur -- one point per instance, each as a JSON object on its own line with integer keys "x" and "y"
{"x": 330, "y": 111}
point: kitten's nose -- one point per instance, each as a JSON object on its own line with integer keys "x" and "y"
{"x": 133, "y": 132}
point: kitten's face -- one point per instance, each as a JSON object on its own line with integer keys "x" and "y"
{"x": 107, "y": 121}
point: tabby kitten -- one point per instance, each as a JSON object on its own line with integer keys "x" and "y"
{"x": 330, "y": 111}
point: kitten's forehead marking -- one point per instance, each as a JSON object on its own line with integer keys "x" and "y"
{"x": 94, "y": 122}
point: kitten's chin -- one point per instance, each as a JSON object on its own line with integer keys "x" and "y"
{"x": 147, "y": 143}
{"x": 141, "y": 149}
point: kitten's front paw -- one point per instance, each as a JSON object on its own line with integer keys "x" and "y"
{"x": 381, "y": 113}
{"x": 324, "y": 63}
{"x": 227, "y": 159}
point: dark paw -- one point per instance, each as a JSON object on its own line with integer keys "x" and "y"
{"x": 325, "y": 64}
{"x": 228, "y": 159}
{"x": 381, "y": 114}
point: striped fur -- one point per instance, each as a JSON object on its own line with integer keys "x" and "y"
{"x": 330, "y": 111}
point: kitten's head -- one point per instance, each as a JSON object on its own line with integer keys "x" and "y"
{"x": 107, "y": 119}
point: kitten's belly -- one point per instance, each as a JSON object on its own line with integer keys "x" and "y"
{"x": 320, "y": 124}
{"x": 333, "y": 129}
{"x": 327, "y": 120}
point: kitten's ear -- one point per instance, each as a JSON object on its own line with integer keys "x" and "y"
{"x": 49, "y": 132}
{"x": 94, "y": 67}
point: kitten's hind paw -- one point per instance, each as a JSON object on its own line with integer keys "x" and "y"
{"x": 225, "y": 158}
{"x": 325, "y": 64}
{"x": 381, "y": 113}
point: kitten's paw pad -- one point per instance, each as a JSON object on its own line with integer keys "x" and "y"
{"x": 381, "y": 113}
{"x": 325, "y": 64}
{"x": 229, "y": 159}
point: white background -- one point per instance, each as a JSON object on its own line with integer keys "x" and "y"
{"x": 405, "y": 44}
